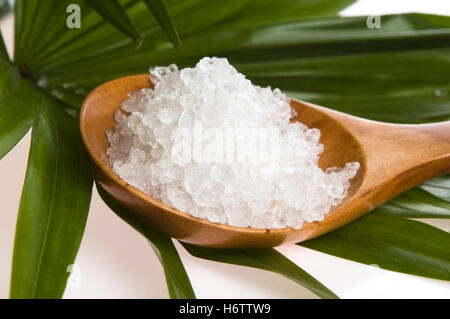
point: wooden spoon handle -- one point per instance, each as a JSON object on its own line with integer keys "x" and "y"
{"x": 436, "y": 136}
{"x": 396, "y": 156}
{"x": 402, "y": 156}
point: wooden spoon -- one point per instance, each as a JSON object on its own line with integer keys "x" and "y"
{"x": 393, "y": 159}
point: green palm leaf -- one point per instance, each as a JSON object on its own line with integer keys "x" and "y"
{"x": 416, "y": 203}
{"x": 398, "y": 73}
{"x": 159, "y": 10}
{"x": 17, "y": 104}
{"x": 4, "y": 8}
{"x": 54, "y": 205}
{"x": 310, "y": 59}
{"x": 17, "y": 113}
{"x": 113, "y": 12}
{"x": 439, "y": 187}
{"x": 392, "y": 243}
{"x": 266, "y": 259}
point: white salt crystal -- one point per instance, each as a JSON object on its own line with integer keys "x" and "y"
{"x": 208, "y": 142}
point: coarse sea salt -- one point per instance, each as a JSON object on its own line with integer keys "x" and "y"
{"x": 208, "y": 142}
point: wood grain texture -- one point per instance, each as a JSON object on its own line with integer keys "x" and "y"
{"x": 393, "y": 159}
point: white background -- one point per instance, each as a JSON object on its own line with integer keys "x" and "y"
{"x": 116, "y": 262}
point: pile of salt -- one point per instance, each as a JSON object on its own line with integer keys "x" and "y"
{"x": 208, "y": 142}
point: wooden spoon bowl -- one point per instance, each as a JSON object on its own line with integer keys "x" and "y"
{"x": 393, "y": 159}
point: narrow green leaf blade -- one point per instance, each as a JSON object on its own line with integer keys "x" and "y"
{"x": 177, "y": 279}
{"x": 159, "y": 11}
{"x": 266, "y": 259}
{"x": 269, "y": 12}
{"x": 3, "y": 52}
{"x": 17, "y": 114}
{"x": 18, "y": 101}
{"x": 113, "y": 12}
{"x": 392, "y": 243}
{"x": 5, "y": 8}
{"x": 439, "y": 187}
{"x": 195, "y": 19}
{"x": 53, "y": 208}
{"x": 398, "y": 73}
{"x": 416, "y": 203}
